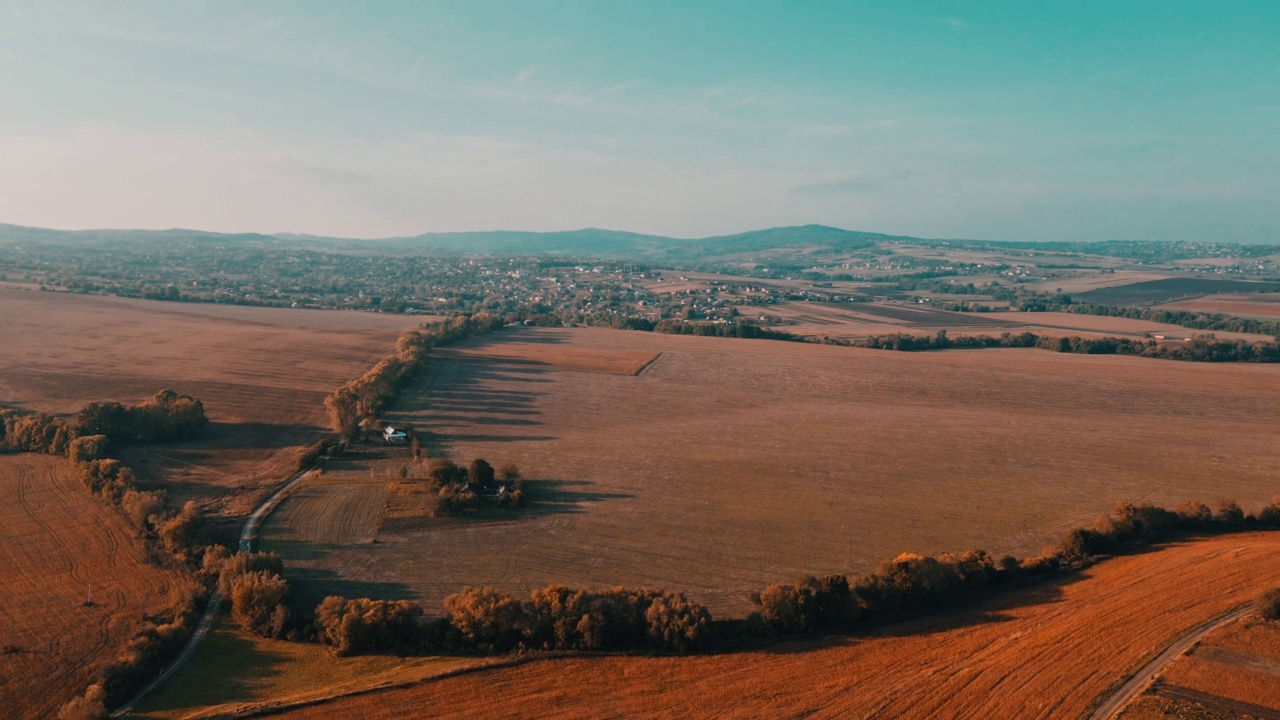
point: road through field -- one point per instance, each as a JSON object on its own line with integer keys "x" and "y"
{"x": 1143, "y": 677}
{"x": 210, "y": 616}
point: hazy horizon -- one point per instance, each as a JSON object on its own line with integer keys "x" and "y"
{"x": 1131, "y": 121}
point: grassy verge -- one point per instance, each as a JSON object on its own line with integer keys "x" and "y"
{"x": 235, "y": 671}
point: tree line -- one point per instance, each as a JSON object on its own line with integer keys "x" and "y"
{"x": 364, "y": 397}
{"x": 170, "y": 535}
{"x": 1198, "y": 349}
{"x": 558, "y": 618}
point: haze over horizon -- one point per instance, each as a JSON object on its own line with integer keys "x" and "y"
{"x": 1074, "y": 121}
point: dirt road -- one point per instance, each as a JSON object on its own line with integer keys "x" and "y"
{"x": 210, "y": 616}
{"x": 1143, "y": 677}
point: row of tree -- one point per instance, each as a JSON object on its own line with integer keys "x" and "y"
{"x": 914, "y": 583}
{"x": 167, "y": 417}
{"x": 87, "y": 441}
{"x": 1168, "y": 316}
{"x": 483, "y": 620}
{"x": 1198, "y": 349}
{"x": 487, "y": 620}
{"x": 364, "y": 397}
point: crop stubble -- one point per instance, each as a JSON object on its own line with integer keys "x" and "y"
{"x": 729, "y": 464}
{"x": 60, "y": 544}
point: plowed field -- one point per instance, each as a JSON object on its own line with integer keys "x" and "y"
{"x": 59, "y": 545}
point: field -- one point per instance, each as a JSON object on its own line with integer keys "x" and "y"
{"x": 1234, "y": 671}
{"x": 725, "y": 465}
{"x": 855, "y": 320}
{"x": 1170, "y": 289}
{"x": 1083, "y": 281}
{"x": 235, "y": 671}
{"x": 262, "y": 374}
{"x": 59, "y": 544}
{"x": 1256, "y": 306}
{"x": 1048, "y": 652}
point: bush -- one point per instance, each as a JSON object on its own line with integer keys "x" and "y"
{"x": 354, "y": 627}
{"x": 676, "y": 623}
{"x": 90, "y": 706}
{"x": 485, "y": 618}
{"x": 183, "y": 533}
{"x": 260, "y": 603}
{"x": 1268, "y": 605}
{"x": 143, "y": 508}
{"x": 88, "y": 447}
{"x": 243, "y": 563}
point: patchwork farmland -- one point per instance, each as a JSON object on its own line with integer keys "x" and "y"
{"x": 261, "y": 373}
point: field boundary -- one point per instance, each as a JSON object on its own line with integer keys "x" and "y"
{"x": 641, "y": 370}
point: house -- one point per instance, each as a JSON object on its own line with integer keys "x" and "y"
{"x": 393, "y": 436}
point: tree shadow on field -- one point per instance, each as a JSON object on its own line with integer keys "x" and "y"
{"x": 509, "y": 370}
{"x": 558, "y": 497}
{"x": 252, "y": 436}
{"x": 312, "y": 585}
{"x": 228, "y": 666}
{"x": 541, "y": 336}
{"x": 987, "y": 611}
{"x": 296, "y": 550}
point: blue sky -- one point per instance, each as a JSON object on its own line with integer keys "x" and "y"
{"x": 1002, "y": 120}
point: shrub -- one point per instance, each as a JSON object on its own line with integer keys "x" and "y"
{"x": 1268, "y": 604}
{"x": 143, "y": 507}
{"x": 88, "y": 447}
{"x": 485, "y": 618}
{"x": 183, "y": 533}
{"x": 259, "y": 603}
{"x": 359, "y": 626}
{"x": 676, "y": 623}
{"x": 242, "y": 563}
{"x": 90, "y": 706}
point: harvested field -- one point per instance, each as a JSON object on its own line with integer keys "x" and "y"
{"x": 1057, "y": 323}
{"x": 729, "y": 464}
{"x": 1170, "y": 289}
{"x": 1234, "y": 669}
{"x": 1252, "y": 306}
{"x": 60, "y": 541}
{"x": 1047, "y": 652}
{"x": 1086, "y": 281}
{"x": 262, "y": 374}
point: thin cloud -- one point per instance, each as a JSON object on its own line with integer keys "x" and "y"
{"x": 847, "y": 186}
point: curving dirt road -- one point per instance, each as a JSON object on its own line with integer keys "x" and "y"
{"x": 210, "y": 616}
{"x": 1139, "y": 682}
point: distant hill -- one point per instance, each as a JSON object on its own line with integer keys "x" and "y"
{"x": 588, "y": 242}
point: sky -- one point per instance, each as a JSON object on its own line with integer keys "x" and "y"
{"x": 1075, "y": 120}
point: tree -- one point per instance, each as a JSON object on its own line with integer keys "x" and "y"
{"x": 479, "y": 473}
{"x": 486, "y": 618}
{"x": 88, "y": 447}
{"x": 675, "y": 622}
{"x": 90, "y": 706}
{"x": 259, "y": 603}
